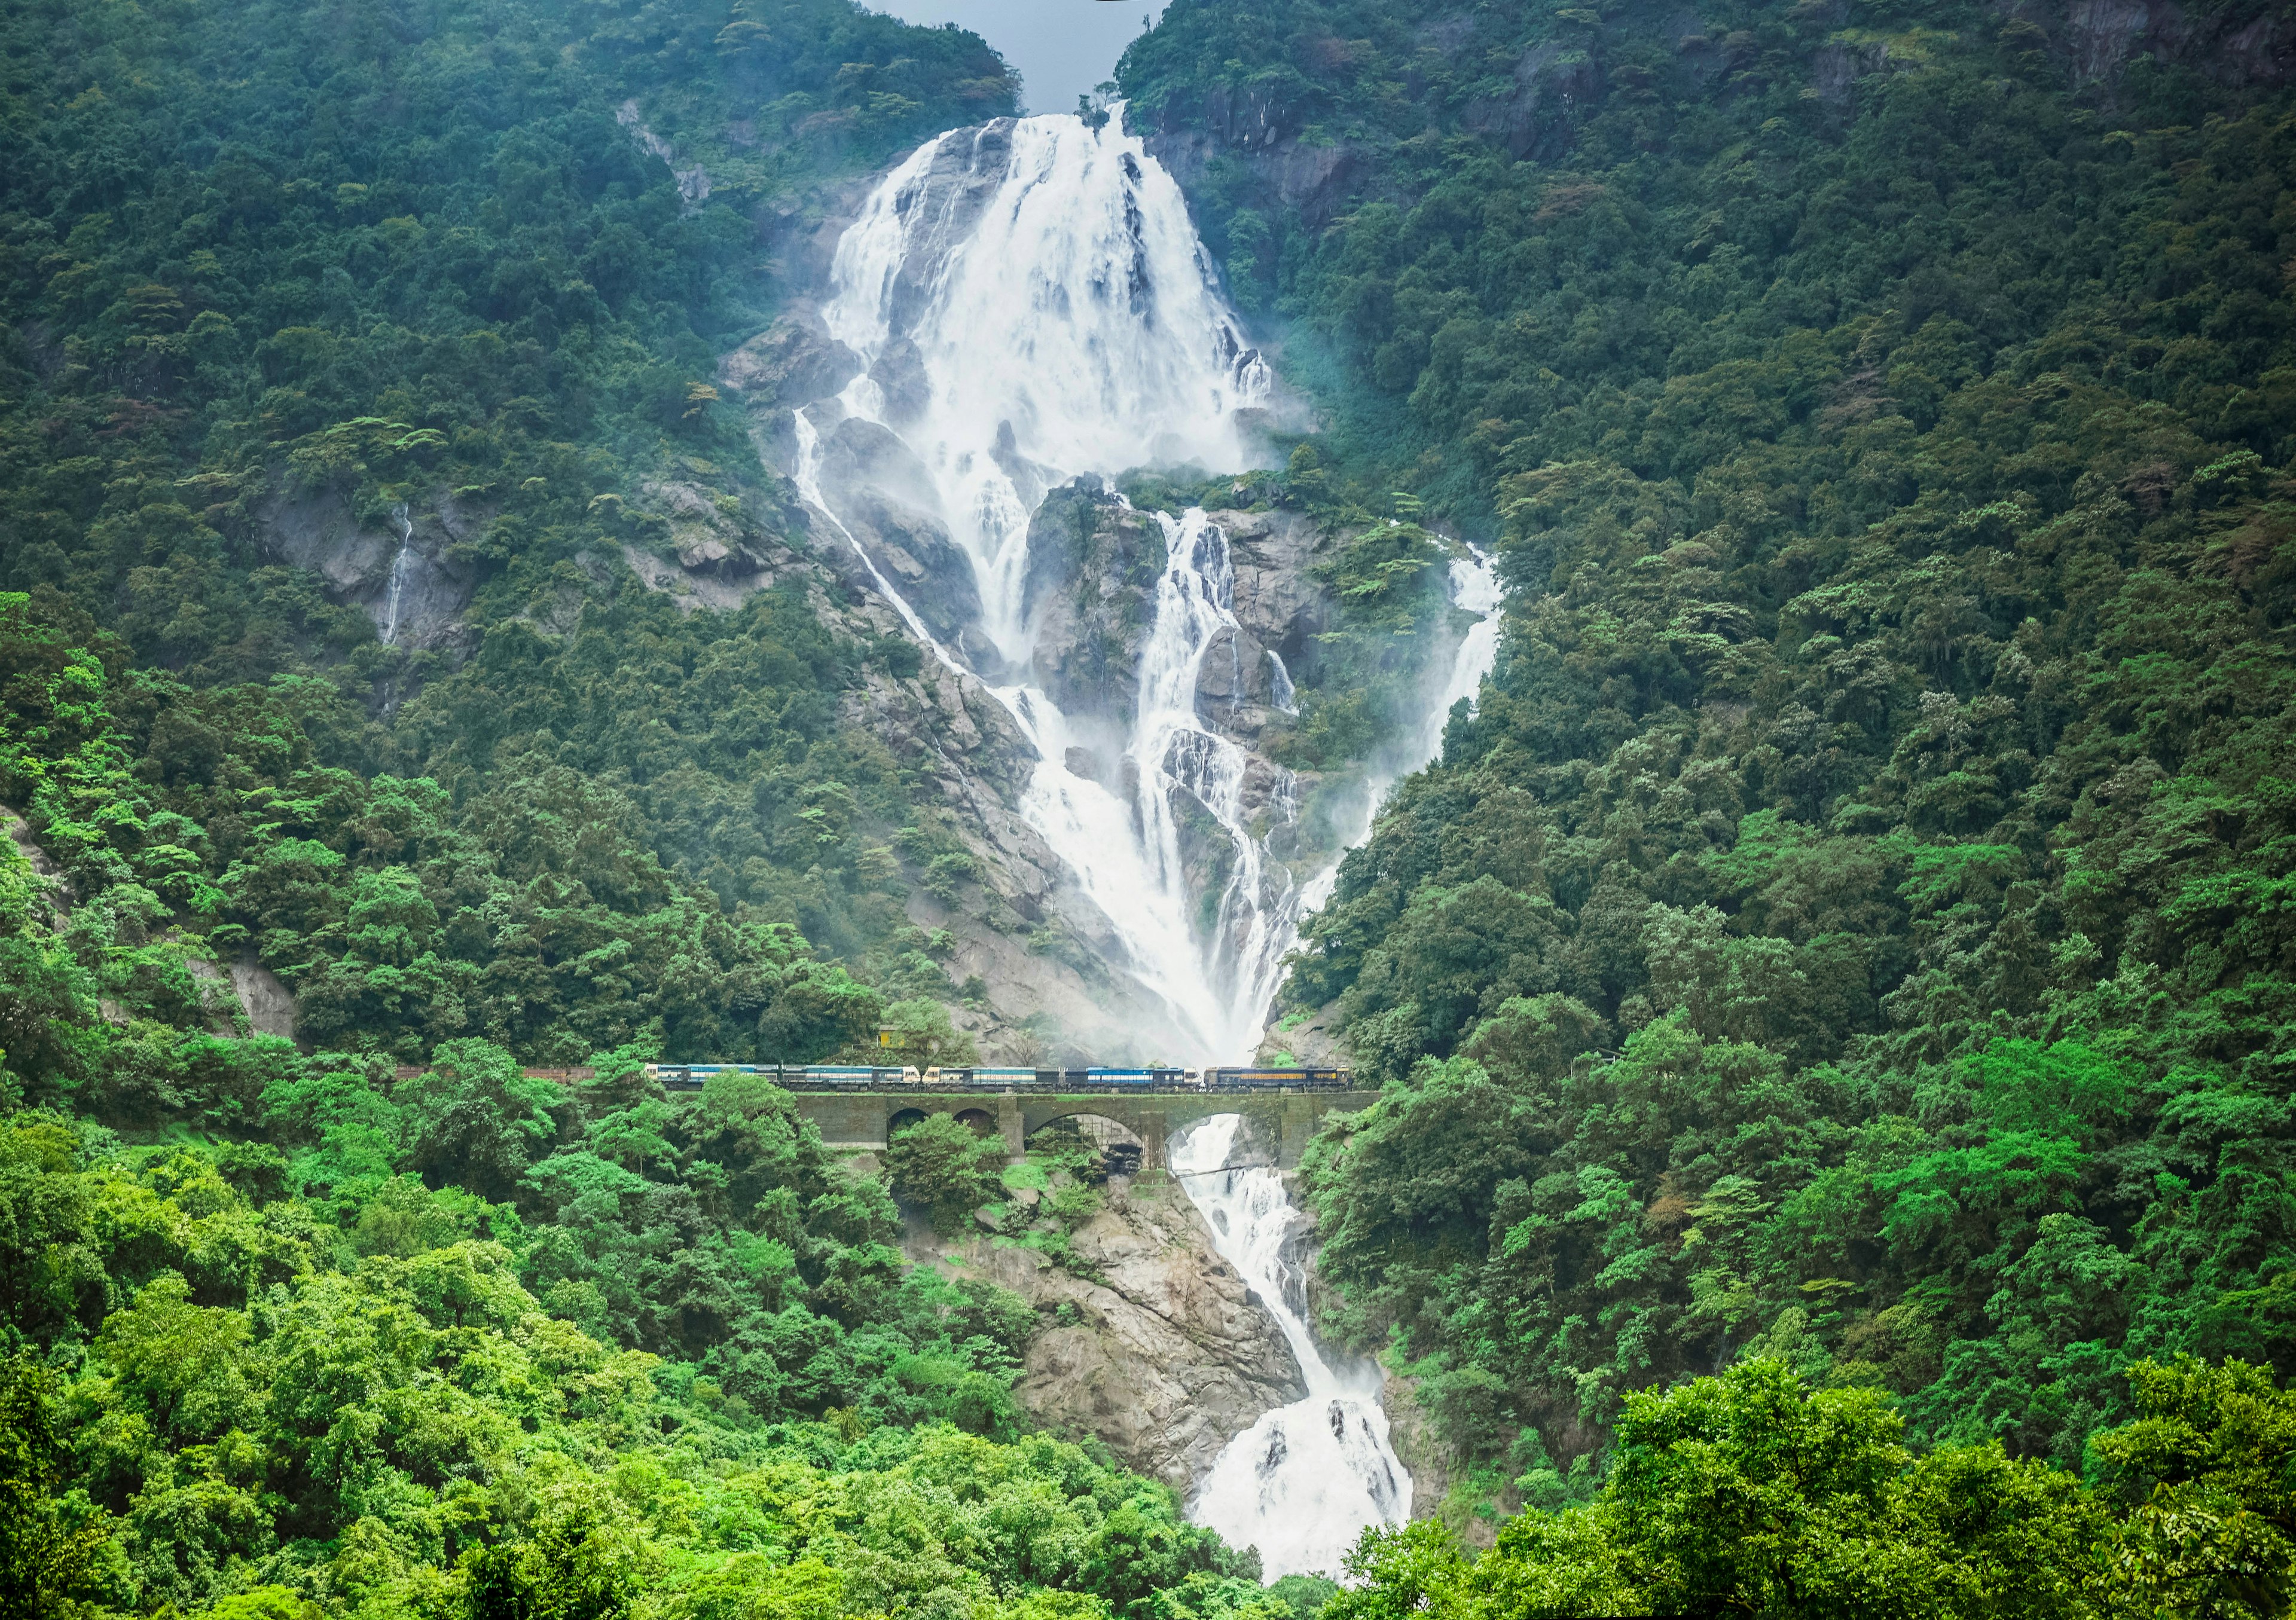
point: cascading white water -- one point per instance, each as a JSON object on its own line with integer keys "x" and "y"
{"x": 1041, "y": 281}
{"x": 1474, "y": 587}
{"x": 1287, "y": 698}
{"x": 396, "y": 588}
{"x": 1029, "y": 303}
{"x": 1305, "y": 1481}
{"x": 1256, "y": 923}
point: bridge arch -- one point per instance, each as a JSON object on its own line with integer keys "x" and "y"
{"x": 1122, "y": 1149}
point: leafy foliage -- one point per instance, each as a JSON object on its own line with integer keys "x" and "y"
{"x": 1842, "y": 928}
{"x": 1754, "y": 1493}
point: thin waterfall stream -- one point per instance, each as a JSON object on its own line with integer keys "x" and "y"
{"x": 395, "y": 590}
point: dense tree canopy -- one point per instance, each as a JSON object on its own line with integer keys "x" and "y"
{"x": 1832, "y": 1001}
{"x": 1845, "y": 926}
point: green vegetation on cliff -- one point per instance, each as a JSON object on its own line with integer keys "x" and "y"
{"x": 269, "y": 274}
{"x": 1849, "y": 926}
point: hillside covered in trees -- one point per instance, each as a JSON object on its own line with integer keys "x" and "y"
{"x": 1849, "y": 928}
{"x": 1832, "y": 1001}
{"x": 271, "y": 273}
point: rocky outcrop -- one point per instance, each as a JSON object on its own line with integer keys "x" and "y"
{"x": 693, "y": 182}
{"x": 887, "y": 504}
{"x": 50, "y": 876}
{"x": 1316, "y": 179}
{"x": 1163, "y": 1353}
{"x": 791, "y": 363}
{"x": 1089, "y": 592}
{"x": 267, "y": 1002}
{"x": 1280, "y": 607}
{"x": 1092, "y": 566}
{"x": 2099, "y": 38}
{"x": 410, "y": 572}
{"x": 1315, "y": 1042}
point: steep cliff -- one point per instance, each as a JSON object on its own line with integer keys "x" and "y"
{"x": 412, "y": 571}
{"x": 1155, "y": 1346}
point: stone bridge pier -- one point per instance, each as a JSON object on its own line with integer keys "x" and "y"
{"x": 1276, "y": 1123}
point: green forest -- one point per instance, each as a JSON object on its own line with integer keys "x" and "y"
{"x": 1833, "y": 1002}
{"x": 256, "y": 254}
{"x": 1845, "y": 932}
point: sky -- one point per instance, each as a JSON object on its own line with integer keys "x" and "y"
{"x": 1063, "y": 48}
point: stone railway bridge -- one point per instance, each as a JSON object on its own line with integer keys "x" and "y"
{"x": 1278, "y": 1124}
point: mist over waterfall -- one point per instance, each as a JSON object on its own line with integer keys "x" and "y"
{"x": 1029, "y": 304}
{"x": 1303, "y": 1482}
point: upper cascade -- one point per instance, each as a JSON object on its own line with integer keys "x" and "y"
{"x": 1029, "y": 302}
{"x": 1023, "y": 308}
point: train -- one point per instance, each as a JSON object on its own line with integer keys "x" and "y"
{"x": 882, "y": 1078}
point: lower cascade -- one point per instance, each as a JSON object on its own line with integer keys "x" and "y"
{"x": 1306, "y": 1479}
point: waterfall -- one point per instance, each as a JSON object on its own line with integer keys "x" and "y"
{"x": 1286, "y": 697}
{"x": 1305, "y": 1481}
{"x": 1029, "y": 303}
{"x": 1474, "y": 588}
{"x": 396, "y": 588}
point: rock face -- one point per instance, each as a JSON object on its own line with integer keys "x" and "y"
{"x": 410, "y": 573}
{"x": 1170, "y": 1355}
{"x": 791, "y": 363}
{"x": 1092, "y": 566}
{"x": 1090, "y": 589}
{"x": 51, "y": 876}
{"x": 269, "y": 1005}
{"x": 2098, "y": 38}
{"x": 889, "y": 508}
{"x": 1317, "y": 178}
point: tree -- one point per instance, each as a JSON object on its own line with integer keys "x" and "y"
{"x": 51, "y": 1542}
{"x": 924, "y": 1038}
{"x": 1752, "y": 1494}
{"x": 2208, "y": 1472}
{"x": 946, "y": 1167}
{"x": 474, "y": 1118}
{"x": 586, "y": 1558}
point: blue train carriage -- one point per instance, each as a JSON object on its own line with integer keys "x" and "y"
{"x": 693, "y": 1077}
{"x": 1152, "y": 1078}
